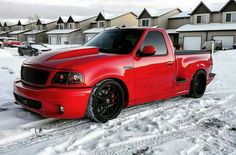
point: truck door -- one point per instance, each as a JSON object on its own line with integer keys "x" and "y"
{"x": 154, "y": 75}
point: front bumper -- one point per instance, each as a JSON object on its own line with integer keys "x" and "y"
{"x": 48, "y": 101}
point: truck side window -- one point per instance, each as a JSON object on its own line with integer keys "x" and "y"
{"x": 155, "y": 39}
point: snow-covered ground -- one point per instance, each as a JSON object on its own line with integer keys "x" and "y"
{"x": 175, "y": 126}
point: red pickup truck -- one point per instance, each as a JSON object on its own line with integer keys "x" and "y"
{"x": 117, "y": 68}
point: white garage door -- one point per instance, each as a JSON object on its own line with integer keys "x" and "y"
{"x": 192, "y": 43}
{"x": 53, "y": 40}
{"x": 227, "y": 41}
{"x": 64, "y": 40}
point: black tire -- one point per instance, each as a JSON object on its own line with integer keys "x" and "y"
{"x": 106, "y": 101}
{"x": 198, "y": 85}
{"x": 21, "y": 53}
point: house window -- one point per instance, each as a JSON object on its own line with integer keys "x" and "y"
{"x": 40, "y": 27}
{"x": 201, "y": 19}
{"x": 230, "y": 17}
{"x": 145, "y": 22}
{"x": 71, "y": 25}
{"x": 101, "y": 24}
{"x": 60, "y": 26}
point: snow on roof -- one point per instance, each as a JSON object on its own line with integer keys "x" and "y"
{"x": 26, "y": 21}
{"x": 46, "y": 21}
{"x": 62, "y": 31}
{"x": 214, "y": 7}
{"x": 64, "y": 18}
{"x": 184, "y": 14}
{"x": 96, "y": 30}
{"x": 109, "y": 16}
{"x": 3, "y": 32}
{"x": 207, "y": 27}
{"x": 10, "y": 22}
{"x": 80, "y": 18}
{"x": 18, "y": 32}
{"x": 159, "y": 12}
{"x": 35, "y": 32}
{"x": 171, "y": 31}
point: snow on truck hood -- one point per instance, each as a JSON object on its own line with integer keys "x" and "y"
{"x": 65, "y": 59}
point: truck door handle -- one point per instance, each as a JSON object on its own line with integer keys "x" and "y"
{"x": 170, "y": 63}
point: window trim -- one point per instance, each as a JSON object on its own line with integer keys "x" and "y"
{"x": 146, "y": 19}
{"x": 201, "y": 18}
{"x": 98, "y": 24}
{"x": 231, "y": 17}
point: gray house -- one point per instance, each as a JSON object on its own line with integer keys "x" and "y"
{"x": 70, "y": 30}
{"x": 24, "y": 25}
{"x": 207, "y": 22}
{"x": 107, "y": 20}
{"x": 8, "y": 26}
{"x": 156, "y": 17}
{"x": 38, "y": 34}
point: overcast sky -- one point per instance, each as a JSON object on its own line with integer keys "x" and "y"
{"x": 55, "y": 8}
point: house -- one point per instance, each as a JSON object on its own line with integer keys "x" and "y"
{"x": 107, "y": 20}
{"x": 70, "y": 30}
{"x": 8, "y": 26}
{"x": 176, "y": 22}
{"x": 210, "y": 22}
{"x": 156, "y": 17}
{"x": 23, "y": 25}
{"x": 39, "y": 33}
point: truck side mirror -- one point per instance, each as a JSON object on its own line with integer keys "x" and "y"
{"x": 148, "y": 50}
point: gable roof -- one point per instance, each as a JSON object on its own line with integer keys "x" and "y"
{"x": 74, "y": 18}
{"x": 62, "y": 19}
{"x": 227, "y": 4}
{"x": 201, "y": 4}
{"x": 110, "y": 16}
{"x": 157, "y": 12}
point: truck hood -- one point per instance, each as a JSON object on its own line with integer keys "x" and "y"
{"x": 66, "y": 59}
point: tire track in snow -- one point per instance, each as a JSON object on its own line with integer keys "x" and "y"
{"x": 73, "y": 128}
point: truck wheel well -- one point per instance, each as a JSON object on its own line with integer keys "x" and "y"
{"x": 199, "y": 71}
{"x": 126, "y": 93}
{"x": 124, "y": 87}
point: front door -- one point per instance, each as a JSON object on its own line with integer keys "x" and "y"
{"x": 154, "y": 75}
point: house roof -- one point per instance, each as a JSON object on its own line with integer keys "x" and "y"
{"x": 80, "y": 18}
{"x": 62, "y": 31}
{"x": 184, "y": 14}
{"x": 45, "y": 21}
{"x": 26, "y": 21}
{"x": 3, "y": 32}
{"x": 10, "y": 22}
{"x": 207, "y": 27}
{"x": 18, "y": 32}
{"x": 63, "y": 19}
{"x": 110, "y": 16}
{"x": 159, "y": 12}
{"x": 33, "y": 32}
{"x": 171, "y": 31}
{"x": 228, "y": 4}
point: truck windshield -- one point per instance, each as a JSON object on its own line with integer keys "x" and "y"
{"x": 116, "y": 41}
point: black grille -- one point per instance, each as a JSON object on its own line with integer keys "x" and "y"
{"x": 34, "y": 76}
{"x": 28, "y": 102}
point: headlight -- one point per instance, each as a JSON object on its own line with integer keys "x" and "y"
{"x": 67, "y": 78}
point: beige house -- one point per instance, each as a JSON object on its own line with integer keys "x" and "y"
{"x": 38, "y": 34}
{"x": 156, "y": 17}
{"x": 210, "y": 22}
{"x": 70, "y": 30}
{"x": 23, "y": 25}
{"x": 176, "y": 22}
{"x": 107, "y": 20}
